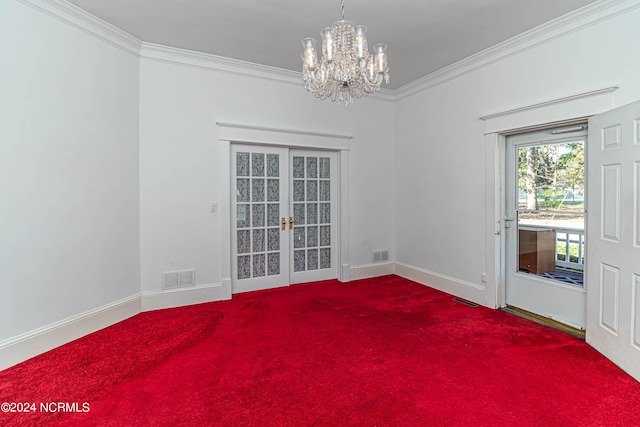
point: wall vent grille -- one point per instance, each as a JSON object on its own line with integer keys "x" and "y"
{"x": 381, "y": 255}
{"x": 178, "y": 279}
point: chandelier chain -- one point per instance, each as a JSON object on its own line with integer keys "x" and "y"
{"x": 342, "y": 1}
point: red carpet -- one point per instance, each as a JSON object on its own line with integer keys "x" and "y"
{"x": 377, "y": 352}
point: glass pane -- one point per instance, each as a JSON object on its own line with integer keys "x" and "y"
{"x": 274, "y": 264}
{"x": 257, "y": 219}
{"x": 325, "y": 213}
{"x": 312, "y": 190}
{"x": 242, "y": 164}
{"x": 312, "y": 237}
{"x": 551, "y": 176}
{"x": 325, "y": 191}
{"x": 273, "y": 165}
{"x": 312, "y": 259}
{"x": 298, "y": 237}
{"x": 273, "y": 239}
{"x": 242, "y": 216}
{"x": 259, "y": 265}
{"x": 258, "y": 240}
{"x": 550, "y": 211}
{"x": 273, "y": 190}
{"x": 312, "y": 213}
{"x": 242, "y": 190}
{"x": 244, "y": 267}
{"x": 298, "y": 167}
{"x": 298, "y": 214}
{"x": 299, "y": 261}
{"x": 298, "y": 191}
{"x": 325, "y": 235}
{"x": 325, "y": 171}
{"x": 273, "y": 215}
{"x": 312, "y": 167}
{"x": 325, "y": 258}
{"x": 244, "y": 241}
{"x": 257, "y": 190}
{"x": 257, "y": 164}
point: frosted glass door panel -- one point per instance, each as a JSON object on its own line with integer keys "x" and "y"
{"x": 260, "y": 245}
{"x": 314, "y": 209}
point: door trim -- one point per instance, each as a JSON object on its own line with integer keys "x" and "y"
{"x": 254, "y": 135}
{"x": 561, "y": 111}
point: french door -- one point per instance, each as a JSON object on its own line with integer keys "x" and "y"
{"x": 284, "y": 216}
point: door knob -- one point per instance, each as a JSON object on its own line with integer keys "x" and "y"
{"x": 283, "y": 223}
{"x": 290, "y": 223}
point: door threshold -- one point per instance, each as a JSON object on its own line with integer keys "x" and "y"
{"x": 546, "y": 321}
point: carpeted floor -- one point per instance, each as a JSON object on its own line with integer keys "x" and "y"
{"x": 375, "y": 352}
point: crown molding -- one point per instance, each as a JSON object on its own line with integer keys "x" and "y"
{"x": 206, "y": 61}
{"x": 552, "y": 30}
{"x": 72, "y": 15}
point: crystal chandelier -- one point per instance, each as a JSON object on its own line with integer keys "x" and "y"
{"x": 347, "y": 71}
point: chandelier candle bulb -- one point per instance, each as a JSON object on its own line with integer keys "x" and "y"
{"x": 346, "y": 71}
{"x": 310, "y": 57}
{"x": 327, "y": 44}
{"x": 361, "y": 41}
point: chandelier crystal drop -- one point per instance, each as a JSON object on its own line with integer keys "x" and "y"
{"x": 347, "y": 70}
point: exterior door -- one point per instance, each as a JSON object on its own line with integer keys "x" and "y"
{"x": 284, "y": 225}
{"x": 544, "y": 224}
{"x": 613, "y": 272}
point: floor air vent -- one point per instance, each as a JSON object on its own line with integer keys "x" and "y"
{"x": 461, "y": 301}
{"x": 178, "y": 279}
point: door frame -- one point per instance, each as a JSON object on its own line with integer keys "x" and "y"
{"x": 566, "y": 110}
{"x": 545, "y": 135}
{"x": 229, "y": 133}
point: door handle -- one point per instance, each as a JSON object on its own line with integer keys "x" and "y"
{"x": 507, "y": 221}
{"x": 283, "y": 223}
{"x": 290, "y": 223}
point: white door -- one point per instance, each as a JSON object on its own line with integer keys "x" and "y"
{"x": 613, "y": 272}
{"x": 283, "y": 217}
{"x": 544, "y": 224}
{"x": 315, "y": 231}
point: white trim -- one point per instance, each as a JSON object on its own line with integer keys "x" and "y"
{"x": 210, "y": 62}
{"x": 292, "y": 131}
{"x": 248, "y": 134}
{"x": 207, "y": 61}
{"x": 551, "y": 111}
{"x": 84, "y": 21}
{"x": 460, "y": 288}
{"x": 344, "y": 274}
{"x": 224, "y": 227}
{"x": 494, "y": 239}
{"x": 156, "y": 300}
{"x": 245, "y": 134}
{"x": 367, "y": 271}
{"x": 582, "y": 18}
{"x": 38, "y": 341}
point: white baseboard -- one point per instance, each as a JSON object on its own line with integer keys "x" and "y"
{"x": 156, "y": 300}
{"x": 28, "y": 345}
{"x": 466, "y": 290}
{"x": 371, "y": 270}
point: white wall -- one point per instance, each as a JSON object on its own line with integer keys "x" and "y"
{"x": 440, "y": 146}
{"x": 69, "y": 222}
{"x": 180, "y": 161}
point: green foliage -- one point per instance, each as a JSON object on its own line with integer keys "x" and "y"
{"x": 550, "y": 171}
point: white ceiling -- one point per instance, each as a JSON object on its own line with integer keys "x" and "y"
{"x": 423, "y": 36}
